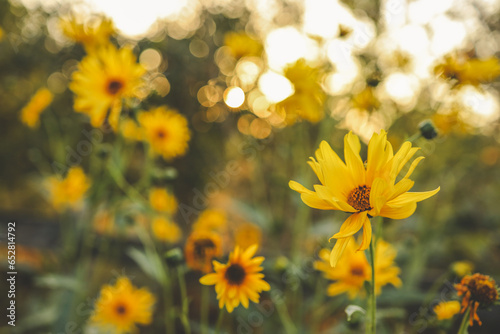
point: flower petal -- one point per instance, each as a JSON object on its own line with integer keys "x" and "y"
{"x": 352, "y": 225}
{"x": 409, "y": 197}
{"x": 400, "y": 212}
{"x": 352, "y": 158}
{"x": 377, "y": 200}
{"x": 367, "y": 235}
{"x": 338, "y": 249}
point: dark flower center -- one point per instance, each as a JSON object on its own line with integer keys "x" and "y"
{"x": 121, "y": 309}
{"x": 483, "y": 290}
{"x": 161, "y": 133}
{"x": 114, "y": 86}
{"x": 359, "y": 198}
{"x": 235, "y": 274}
{"x": 357, "y": 271}
{"x": 201, "y": 246}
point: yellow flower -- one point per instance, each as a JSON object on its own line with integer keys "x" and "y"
{"x": 462, "y": 268}
{"x": 165, "y": 230}
{"x": 363, "y": 190}
{"x": 239, "y": 280}
{"x": 122, "y": 306}
{"x": 201, "y": 248}
{"x": 211, "y": 220}
{"x": 91, "y": 34}
{"x": 308, "y": 98}
{"x": 166, "y": 131}
{"x": 476, "y": 290}
{"x": 241, "y": 44}
{"x": 247, "y": 234}
{"x": 69, "y": 191}
{"x": 104, "y": 222}
{"x": 355, "y": 270}
{"x": 468, "y": 71}
{"x": 2, "y": 34}
{"x": 366, "y": 100}
{"x": 162, "y": 201}
{"x": 450, "y": 120}
{"x": 103, "y": 80}
{"x": 446, "y": 310}
{"x": 130, "y": 130}
{"x": 30, "y": 114}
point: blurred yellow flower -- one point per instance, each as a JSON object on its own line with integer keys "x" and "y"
{"x": 122, "y": 306}
{"x": 446, "y": 310}
{"x": 213, "y": 220}
{"x": 68, "y": 192}
{"x": 449, "y": 120}
{"x": 366, "y": 100}
{"x": 30, "y": 114}
{"x": 161, "y": 200}
{"x": 166, "y": 131}
{"x": 354, "y": 270}
{"x": 91, "y": 34}
{"x": 2, "y": 34}
{"x": 476, "y": 291}
{"x": 201, "y": 248}
{"x": 240, "y": 44}
{"x": 468, "y": 71}
{"x": 104, "y": 222}
{"x": 130, "y": 130}
{"x": 462, "y": 268}
{"x": 363, "y": 189}
{"x": 103, "y": 79}
{"x": 239, "y": 280}
{"x": 166, "y": 230}
{"x": 308, "y": 98}
{"x": 247, "y": 234}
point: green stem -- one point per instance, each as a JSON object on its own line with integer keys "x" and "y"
{"x": 465, "y": 323}
{"x": 120, "y": 181}
{"x": 167, "y": 297}
{"x": 185, "y": 301}
{"x": 286, "y": 321}
{"x": 205, "y": 294}
{"x": 372, "y": 325}
{"x": 219, "y": 321}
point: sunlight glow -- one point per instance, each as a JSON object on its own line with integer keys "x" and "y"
{"x": 234, "y": 97}
{"x": 275, "y": 87}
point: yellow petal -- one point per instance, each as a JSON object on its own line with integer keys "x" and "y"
{"x": 409, "y": 197}
{"x": 312, "y": 200}
{"x": 367, "y": 235}
{"x": 338, "y": 249}
{"x": 352, "y": 158}
{"x": 326, "y": 194}
{"x": 377, "y": 200}
{"x": 298, "y": 187}
{"x": 352, "y": 225}
{"x": 400, "y": 212}
{"x": 412, "y": 166}
{"x": 209, "y": 279}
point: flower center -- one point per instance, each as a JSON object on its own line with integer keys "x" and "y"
{"x": 201, "y": 246}
{"x": 114, "y": 86}
{"x": 161, "y": 133}
{"x": 235, "y": 274}
{"x": 359, "y": 198}
{"x": 357, "y": 271}
{"x": 483, "y": 290}
{"x": 121, "y": 309}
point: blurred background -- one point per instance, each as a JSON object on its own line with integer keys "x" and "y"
{"x": 260, "y": 84}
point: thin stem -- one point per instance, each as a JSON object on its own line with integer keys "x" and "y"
{"x": 167, "y": 297}
{"x": 219, "y": 321}
{"x": 185, "y": 301}
{"x": 205, "y": 294}
{"x": 465, "y": 322}
{"x": 372, "y": 325}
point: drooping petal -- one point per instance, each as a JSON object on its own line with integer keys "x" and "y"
{"x": 338, "y": 249}
{"x": 352, "y": 225}
{"x": 400, "y": 188}
{"x": 412, "y": 167}
{"x": 367, "y": 235}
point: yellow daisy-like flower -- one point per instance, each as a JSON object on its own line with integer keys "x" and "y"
{"x": 239, "y": 280}
{"x": 446, "y": 310}
{"x": 161, "y": 200}
{"x": 477, "y": 291}
{"x": 201, "y": 248}
{"x": 122, "y": 306}
{"x": 30, "y": 114}
{"x": 211, "y": 220}
{"x": 91, "y": 34}
{"x": 468, "y": 71}
{"x": 166, "y": 131}
{"x": 130, "y": 130}
{"x": 363, "y": 190}
{"x": 308, "y": 98}
{"x": 103, "y": 80}
{"x": 166, "y": 230}
{"x": 69, "y": 191}
{"x": 247, "y": 234}
{"x": 240, "y": 44}
{"x": 355, "y": 270}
